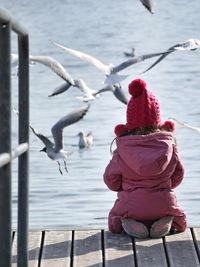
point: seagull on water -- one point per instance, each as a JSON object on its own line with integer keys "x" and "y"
{"x": 55, "y": 150}
{"x": 111, "y": 71}
{"x": 130, "y": 54}
{"x": 148, "y": 4}
{"x": 186, "y": 125}
{"x": 190, "y": 44}
{"x": 85, "y": 140}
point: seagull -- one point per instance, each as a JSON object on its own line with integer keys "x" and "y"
{"x": 116, "y": 89}
{"x": 148, "y": 5}
{"x": 111, "y": 71}
{"x": 55, "y": 150}
{"x": 130, "y": 54}
{"x": 190, "y": 44}
{"x": 88, "y": 94}
{"x": 186, "y": 125}
{"x": 85, "y": 140}
{"x": 55, "y": 66}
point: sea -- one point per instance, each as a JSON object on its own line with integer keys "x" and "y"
{"x": 104, "y": 29}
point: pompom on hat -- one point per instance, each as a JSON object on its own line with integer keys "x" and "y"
{"x": 143, "y": 110}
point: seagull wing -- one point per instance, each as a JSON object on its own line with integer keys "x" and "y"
{"x": 148, "y": 5}
{"x": 104, "y": 89}
{"x": 55, "y": 66}
{"x": 186, "y": 125}
{"x": 89, "y": 138}
{"x": 158, "y": 60}
{"x": 119, "y": 94}
{"x": 60, "y": 89}
{"x": 190, "y": 44}
{"x": 88, "y": 93}
{"x": 83, "y": 87}
{"x": 97, "y": 63}
{"x": 57, "y": 129}
{"x": 43, "y": 138}
{"x": 134, "y": 60}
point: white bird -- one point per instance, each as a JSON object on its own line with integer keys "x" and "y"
{"x": 190, "y": 44}
{"x": 117, "y": 91}
{"x": 148, "y": 4}
{"x": 111, "y": 71}
{"x": 85, "y": 140}
{"x": 88, "y": 94}
{"x": 91, "y": 94}
{"x": 55, "y": 150}
{"x": 186, "y": 125}
{"x": 55, "y": 66}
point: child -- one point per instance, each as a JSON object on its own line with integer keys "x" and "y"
{"x": 144, "y": 170}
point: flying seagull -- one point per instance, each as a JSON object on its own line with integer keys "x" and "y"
{"x": 88, "y": 94}
{"x": 111, "y": 71}
{"x": 55, "y": 150}
{"x": 190, "y": 44}
{"x": 85, "y": 140}
{"x": 186, "y": 125}
{"x": 148, "y": 5}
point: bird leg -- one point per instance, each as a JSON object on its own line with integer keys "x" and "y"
{"x": 59, "y": 168}
{"x": 65, "y": 166}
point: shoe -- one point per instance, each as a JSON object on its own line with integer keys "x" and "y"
{"x": 135, "y": 228}
{"x": 161, "y": 227}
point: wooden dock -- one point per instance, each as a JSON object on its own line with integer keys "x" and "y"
{"x": 95, "y": 248}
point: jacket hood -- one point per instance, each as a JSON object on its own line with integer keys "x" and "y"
{"x": 146, "y": 155}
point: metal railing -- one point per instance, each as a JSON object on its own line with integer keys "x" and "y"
{"x": 7, "y": 26}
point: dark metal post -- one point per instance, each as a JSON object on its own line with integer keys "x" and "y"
{"x": 5, "y": 146}
{"x": 23, "y": 166}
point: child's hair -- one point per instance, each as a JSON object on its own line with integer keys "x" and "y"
{"x": 143, "y": 131}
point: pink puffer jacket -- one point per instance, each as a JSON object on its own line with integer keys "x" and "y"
{"x": 144, "y": 170}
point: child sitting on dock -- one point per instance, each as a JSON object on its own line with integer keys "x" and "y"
{"x": 144, "y": 170}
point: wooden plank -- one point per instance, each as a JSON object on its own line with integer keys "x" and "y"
{"x": 34, "y": 241}
{"x": 150, "y": 252}
{"x": 196, "y": 232}
{"x": 34, "y": 248}
{"x": 87, "y": 248}
{"x": 118, "y": 250}
{"x": 56, "y": 249}
{"x": 14, "y": 251}
{"x": 181, "y": 251}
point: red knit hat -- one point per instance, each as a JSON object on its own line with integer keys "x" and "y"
{"x": 143, "y": 109}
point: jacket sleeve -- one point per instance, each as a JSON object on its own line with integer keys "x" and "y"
{"x": 178, "y": 174}
{"x": 112, "y": 175}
